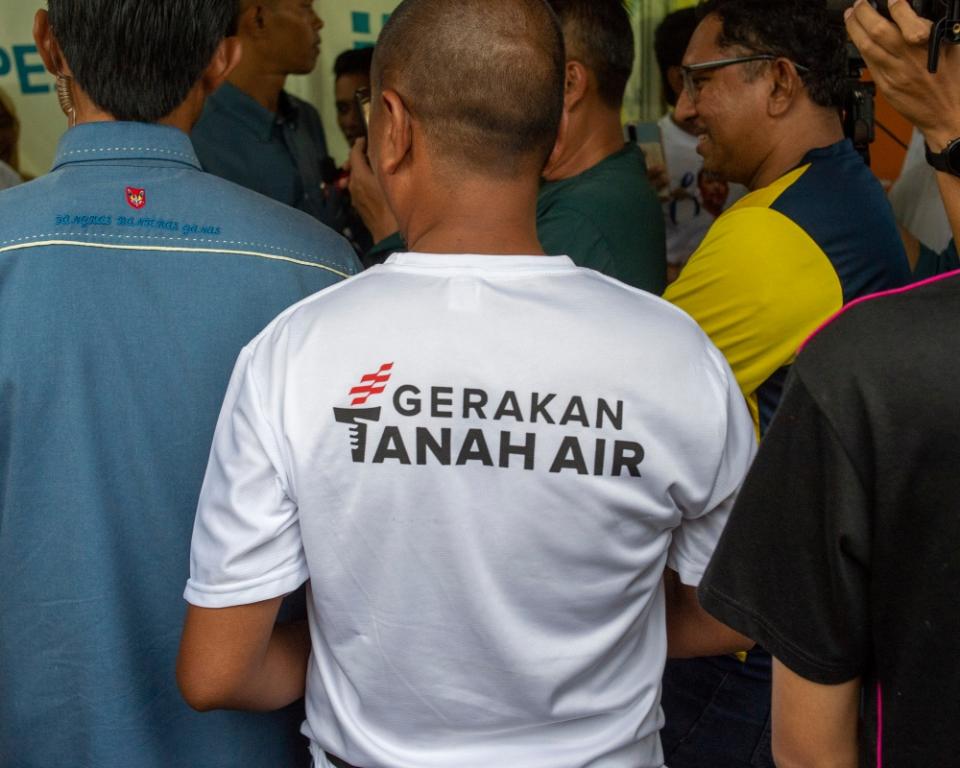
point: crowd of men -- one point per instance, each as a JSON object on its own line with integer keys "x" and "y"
{"x": 484, "y": 488}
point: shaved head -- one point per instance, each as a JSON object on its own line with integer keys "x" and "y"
{"x": 483, "y": 77}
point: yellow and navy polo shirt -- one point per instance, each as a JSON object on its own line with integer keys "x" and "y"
{"x": 783, "y": 260}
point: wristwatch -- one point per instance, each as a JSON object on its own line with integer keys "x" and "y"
{"x": 947, "y": 161}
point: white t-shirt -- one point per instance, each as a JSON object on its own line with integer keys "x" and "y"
{"x": 686, "y": 216}
{"x": 482, "y": 464}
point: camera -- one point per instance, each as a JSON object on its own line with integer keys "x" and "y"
{"x": 858, "y": 109}
{"x": 928, "y": 9}
{"x": 945, "y": 15}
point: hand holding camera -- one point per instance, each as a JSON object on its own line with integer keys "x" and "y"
{"x": 896, "y": 52}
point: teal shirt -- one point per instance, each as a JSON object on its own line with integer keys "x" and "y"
{"x": 608, "y": 218}
{"x": 932, "y": 263}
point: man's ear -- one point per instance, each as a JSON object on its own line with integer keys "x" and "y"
{"x": 224, "y": 61}
{"x": 575, "y": 84}
{"x": 48, "y": 47}
{"x": 251, "y": 23}
{"x": 785, "y": 86}
{"x": 396, "y": 141}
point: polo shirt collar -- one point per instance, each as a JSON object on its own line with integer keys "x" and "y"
{"x": 95, "y": 142}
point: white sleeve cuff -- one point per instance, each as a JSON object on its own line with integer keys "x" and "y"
{"x": 254, "y": 591}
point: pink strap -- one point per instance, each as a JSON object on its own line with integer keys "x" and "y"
{"x": 879, "y": 725}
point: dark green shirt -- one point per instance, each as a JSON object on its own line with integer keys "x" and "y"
{"x": 607, "y": 218}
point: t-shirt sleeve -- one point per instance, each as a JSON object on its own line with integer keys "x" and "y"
{"x": 791, "y": 570}
{"x": 758, "y": 286}
{"x": 704, "y": 519}
{"x": 246, "y": 538}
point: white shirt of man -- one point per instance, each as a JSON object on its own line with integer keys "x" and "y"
{"x": 482, "y": 464}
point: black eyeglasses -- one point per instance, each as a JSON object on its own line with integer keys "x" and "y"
{"x": 689, "y": 70}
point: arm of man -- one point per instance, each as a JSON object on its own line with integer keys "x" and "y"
{"x": 896, "y": 54}
{"x": 792, "y": 569}
{"x": 814, "y": 725}
{"x": 705, "y": 508}
{"x": 246, "y": 555}
{"x": 691, "y": 631}
{"x": 238, "y": 658}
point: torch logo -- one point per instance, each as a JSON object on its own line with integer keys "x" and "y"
{"x": 371, "y": 384}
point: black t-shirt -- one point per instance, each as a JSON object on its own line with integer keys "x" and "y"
{"x": 842, "y": 556}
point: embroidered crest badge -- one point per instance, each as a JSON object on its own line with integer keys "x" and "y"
{"x": 136, "y": 198}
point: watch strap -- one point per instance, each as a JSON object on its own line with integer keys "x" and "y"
{"x": 947, "y": 160}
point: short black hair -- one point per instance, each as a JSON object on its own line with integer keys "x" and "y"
{"x": 803, "y": 31}
{"x": 354, "y": 61}
{"x": 599, "y": 33}
{"x": 138, "y": 59}
{"x": 670, "y": 41}
{"x": 483, "y": 77}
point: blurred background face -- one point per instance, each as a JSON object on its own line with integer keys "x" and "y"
{"x": 348, "y": 114}
{"x": 713, "y": 192}
{"x": 294, "y": 35}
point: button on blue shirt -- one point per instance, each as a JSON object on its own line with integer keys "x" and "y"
{"x": 129, "y": 281}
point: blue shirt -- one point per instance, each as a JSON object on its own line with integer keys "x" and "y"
{"x": 280, "y": 155}
{"x": 129, "y": 281}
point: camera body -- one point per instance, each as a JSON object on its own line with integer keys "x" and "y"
{"x": 928, "y": 9}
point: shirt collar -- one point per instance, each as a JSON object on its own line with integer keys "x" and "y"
{"x": 842, "y": 147}
{"x": 482, "y": 261}
{"x": 95, "y": 142}
{"x": 247, "y": 110}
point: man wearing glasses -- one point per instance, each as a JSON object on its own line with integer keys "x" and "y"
{"x": 764, "y": 81}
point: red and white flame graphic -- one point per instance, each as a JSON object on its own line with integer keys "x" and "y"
{"x": 371, "y": 384}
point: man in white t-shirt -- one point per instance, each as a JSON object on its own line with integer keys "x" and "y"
{"x": 503, "y": 475}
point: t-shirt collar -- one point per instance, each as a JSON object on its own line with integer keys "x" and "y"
{"x": 479, "y": 261}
